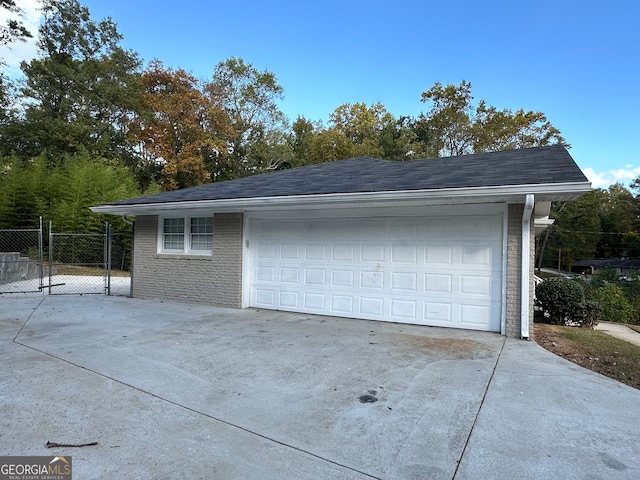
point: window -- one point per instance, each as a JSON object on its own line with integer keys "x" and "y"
{"x": 190, "y": 235}
{"x": 202, "y": 233}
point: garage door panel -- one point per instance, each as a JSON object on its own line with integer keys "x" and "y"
{"x": 265, "y": 298}
{"x": 266, "y": 250}
{"x": 290, "y": 251}
{"x": 288, "y": 300}
{"x": 342, "y": 304}
{"x": 403, "y": 309}
{"x": 371, "y": 307}
{"x": 382, "y": 269}
{"x": 343, "y": 253}
{"x": 438, "y": 283}
{"x": 342, "y": 278}
{"x": 290, "y": 275}
{"x": 437, "y": 313}
{"x": 404, "y": 254}
{"x": 404, "y": 282}
{"x": 371, "y": 279}
{"x": 439, "y": 254}
{"x": 314, "y": 302}
{"x": 473, "y": 256}
{"x": 372, "y": 253}
{"x": 315, "y": 277}
{"x": 315, "y": 252}
{"x": 474, "y": 316}
{"x": 479, "y": 285}
{"x": 266, "y": 274}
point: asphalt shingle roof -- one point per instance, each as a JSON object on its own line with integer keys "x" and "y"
{"x": 533, "y": 166}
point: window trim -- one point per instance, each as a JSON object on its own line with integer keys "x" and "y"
{"x": 186, "y": 250}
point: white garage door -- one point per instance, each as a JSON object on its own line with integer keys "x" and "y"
{"x": 441, "y": 271}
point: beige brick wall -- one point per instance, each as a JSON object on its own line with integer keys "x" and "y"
{"x": 215, "y": 279}
{"x": 514, "y": 259}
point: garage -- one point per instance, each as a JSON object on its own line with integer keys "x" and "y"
{"x": 442, "y": 241}
{"x": 438, "y": 270}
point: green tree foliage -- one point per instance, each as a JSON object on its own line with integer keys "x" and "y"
{"x": 600, "y": 224}
{"x": 64, "y": 195}
{"x": 24, "y": 193}
{"x": 13, "y": 30}
{"x": 357, "y": 130}
{"x": 80, "y": 92}
{"x": 250, "y": 98}
{"x": 616, "y": 307}
{"x": 576, "y": 231}
{"x": 456, "y": 127}
{"x": 620, "y": 224}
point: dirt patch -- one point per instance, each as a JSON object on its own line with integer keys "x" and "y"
{"x": 454, "y": 348}
{"x": 594, "y": 350}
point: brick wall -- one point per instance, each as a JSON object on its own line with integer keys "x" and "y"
{"x": 214, "y": 279}
{"x": 514, "y": 274}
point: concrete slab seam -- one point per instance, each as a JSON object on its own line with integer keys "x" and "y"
{"x": 192, "y": 410}
{"x": 27, "y": 320}
{"x": 475, "y": 420}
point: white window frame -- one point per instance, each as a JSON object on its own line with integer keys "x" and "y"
{"x": 186, "y": 250}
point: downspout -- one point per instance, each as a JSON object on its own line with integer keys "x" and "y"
{"x": 525, "y": 268}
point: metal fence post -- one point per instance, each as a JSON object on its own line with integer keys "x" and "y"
{"x": 41, "y": 256}
{"x": 50, "y": 253}
{"x": 108, "y": 254}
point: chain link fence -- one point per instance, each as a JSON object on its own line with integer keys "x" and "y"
{"x": 22, "y": 267}
{"x": 83, "y": 263}
{"x": 70, "y": 263}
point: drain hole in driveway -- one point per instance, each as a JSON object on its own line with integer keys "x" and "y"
{"x": 368, "y": 399}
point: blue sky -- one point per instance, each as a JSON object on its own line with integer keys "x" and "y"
{"x": 578, "y": 61}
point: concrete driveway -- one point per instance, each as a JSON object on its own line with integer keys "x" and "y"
{"x": 172, "y": 391}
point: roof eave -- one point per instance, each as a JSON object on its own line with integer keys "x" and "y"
{"x": 443, "y": 196}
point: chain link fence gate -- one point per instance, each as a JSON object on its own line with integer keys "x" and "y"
{"x": 87, "y": 263}
{"x": 22, "y": 267}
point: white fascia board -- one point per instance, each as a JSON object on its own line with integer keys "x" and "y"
{"x": 443, "y": 196}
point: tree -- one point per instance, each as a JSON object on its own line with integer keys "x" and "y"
{"x": 183, "y": 130}
{"x": 450, "y": 118}
{"x": 504, "y": 130}
{"x": 576, "y": 231}
{"x": 64, "y": 195}
{"x": 14, "y": 30}
{"x": 80, "y": 93}
{"x": 619, "y": 223}
{"x": 454, "y": 126}
{"x": 356, "y": 130}
{"x": 250, "y": 97}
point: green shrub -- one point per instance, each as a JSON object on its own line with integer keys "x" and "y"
{"x": 591, "y": 314}
{"x": 561, "y": 299}
{"x": 615, "y": 305}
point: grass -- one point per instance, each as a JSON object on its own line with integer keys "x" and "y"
{"x": 594, "y": 350}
